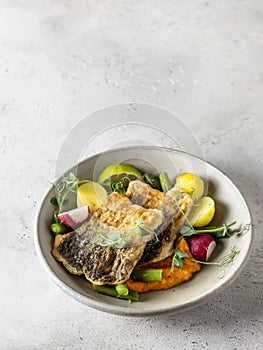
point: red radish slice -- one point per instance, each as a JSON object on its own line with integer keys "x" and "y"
{"x": 202, "y": 246}
{"x": 75, "y": 217}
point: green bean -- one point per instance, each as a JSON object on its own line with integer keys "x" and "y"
{"x": 147, "y": 275}
{"x": 111, "y": 291}
{"x": 107, "y": 290}
{"x": 165, "y": 182}
{"x": 122, "y": 289}
{"x": 153, "y": 181}
{"x": 132, "y": 295}
{"x": 58, "y": 228}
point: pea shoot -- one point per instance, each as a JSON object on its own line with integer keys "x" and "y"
{"x": 120, "y": 238}
{"x": 63, "y": 188}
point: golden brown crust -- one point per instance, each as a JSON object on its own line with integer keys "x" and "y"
{"x": 175, "y": 206}
{"x": 106, "y": 264}
{"x": 118, "y": 211}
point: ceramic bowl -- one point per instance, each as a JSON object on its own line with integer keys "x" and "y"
{"x": 230, "y": 205}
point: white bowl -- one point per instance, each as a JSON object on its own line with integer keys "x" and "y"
{"x": 230, "y": 206}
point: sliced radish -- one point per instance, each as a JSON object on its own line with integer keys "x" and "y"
{"x": 202, "y": 246}
{"x": 75, "y": 217}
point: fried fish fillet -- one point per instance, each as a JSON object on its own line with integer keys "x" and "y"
{"x": 174, "y": 204}
{"x": 82, "y": 251}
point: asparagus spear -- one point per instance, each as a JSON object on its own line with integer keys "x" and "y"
{"x": 147, "y": 275}
{"x": 112, "y": 292}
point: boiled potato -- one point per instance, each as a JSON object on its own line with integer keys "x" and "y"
{"x": 91, "y": 194}
{"x": 191, "y": 184}
{"x": 202, "y": 212}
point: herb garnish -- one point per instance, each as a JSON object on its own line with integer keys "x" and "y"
{"x": 66, "y": 185}
{"x": 218, "y": 232}
{"x": 119, "y": 186}
{"x": 179, "y": 257}
{"x": 120, "y": 240}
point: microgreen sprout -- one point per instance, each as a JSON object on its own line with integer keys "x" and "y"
{"x": 217, "y": 232}
{"x": 222, "y": 263}
{"x": 118, "y": 186}
{"x": 66, "y": 185}
{"x": 116, "y": 240}
{"x": 179, "y": 260}
{"x": 120, "y": 240}
{"x": 244, "y": 229}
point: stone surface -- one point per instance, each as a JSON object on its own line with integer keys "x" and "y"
{"x": 62, "y": 60}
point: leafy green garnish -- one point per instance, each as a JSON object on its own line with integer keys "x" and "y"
{"x": 141, "y": 229}
{"x": 139, "y": 221}
{"x": 223, "y": 262}
{"x": 66, "y": 185}
{"x": 218, "y": 232}
{"x": 117, "y": 186}
{"x": 178, "y": 259}
{"x": 117, "y": 239}
{"x": 114, "y": 239}
{"x": 120, "y": 240}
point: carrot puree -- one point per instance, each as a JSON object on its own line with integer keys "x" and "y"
{"x": 170, "y": 279}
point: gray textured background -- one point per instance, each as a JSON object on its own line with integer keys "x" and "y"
{"x": 60, "y": 61}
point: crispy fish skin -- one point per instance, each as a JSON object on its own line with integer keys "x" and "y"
{"x": 99, "y": 264}
{"x": 169, "y": 203}
{"x": 105, "y": 264}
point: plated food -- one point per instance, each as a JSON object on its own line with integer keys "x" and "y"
{"x": 201, "y": 287}
{"x": 134, "y": 233}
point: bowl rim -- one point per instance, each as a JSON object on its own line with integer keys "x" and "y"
{"x": 124, "y": 311}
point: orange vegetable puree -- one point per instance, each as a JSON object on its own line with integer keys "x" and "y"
{"x": 170, "y": 279}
